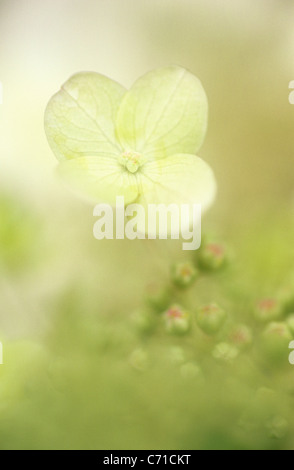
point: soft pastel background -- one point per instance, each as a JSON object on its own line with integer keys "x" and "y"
{"x": 70, "y": 377}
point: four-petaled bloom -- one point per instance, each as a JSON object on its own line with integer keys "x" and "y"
{"x": 139, "y": 144}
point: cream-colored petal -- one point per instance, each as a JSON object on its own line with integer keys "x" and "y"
{"x": 178, "y": 180}
{"x": 79, "y": 119}
{"x": 99, "y": 179}
{"x": 165, "y": 112}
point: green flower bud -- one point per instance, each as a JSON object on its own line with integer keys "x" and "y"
{"x": 144, "y": 321}
{"x": 225, "y": 352}
{"x": 267, "y": 310}
{"x": 184, "y": 274}
{"x": 212, "y": 256}
{"x": 275, "y": 342}
{"x": 177, "y": 320}
{"x": 241, "y": 336}
{"x": 157, "y": 297}
{"x": 211, "y": 318}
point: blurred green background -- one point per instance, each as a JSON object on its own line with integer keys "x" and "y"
{"x": 79, "y": 369}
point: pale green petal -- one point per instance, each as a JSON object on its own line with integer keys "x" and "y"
{"x": 181, "y": 179}
{"x": 178, "y": 179}
{"x": 164, "y": 113}
{"x": 99, "y": 179}
{"x": 79, "y": 119}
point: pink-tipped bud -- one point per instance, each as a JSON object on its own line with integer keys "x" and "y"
{"x": 177, "y": 320}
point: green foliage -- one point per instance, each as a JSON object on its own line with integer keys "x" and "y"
{"x": 153, "y": 377}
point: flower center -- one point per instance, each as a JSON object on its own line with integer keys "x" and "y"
{"x": 131, "y": 160}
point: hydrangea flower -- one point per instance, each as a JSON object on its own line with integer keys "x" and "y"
{"x": 139, "y": 144}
